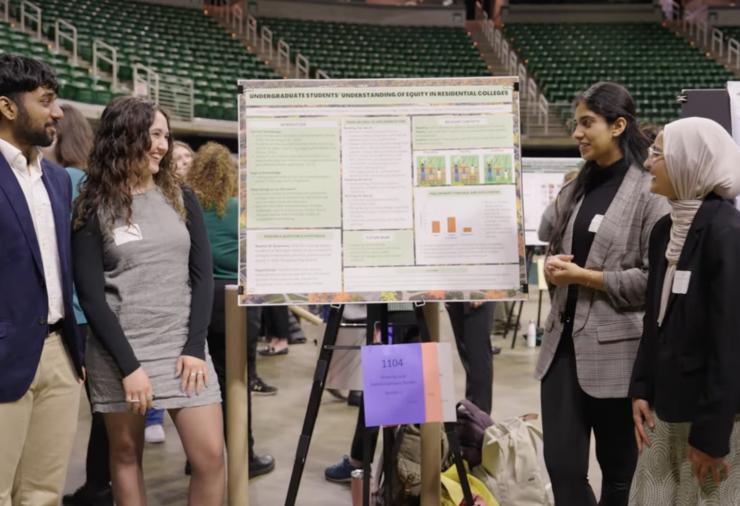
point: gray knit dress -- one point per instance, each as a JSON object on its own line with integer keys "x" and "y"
{"x": 147, "y": 286}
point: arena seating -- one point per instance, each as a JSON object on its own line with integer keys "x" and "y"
{"x": 76, "y": 82}
{"x": 169, "y": 40}
{"x": 354, "y": 50}
{"x": 650, "y": 60}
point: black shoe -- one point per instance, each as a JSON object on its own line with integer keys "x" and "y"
{"x": 355, "y": 398}
{"x": 87, "y": 496}
{"x": 259, "y": 466}
{"x": 495, "y": 350}
{"x": 259, "y": 387}
{"x": 188, "y": 468}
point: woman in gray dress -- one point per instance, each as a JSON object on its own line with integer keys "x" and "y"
{"x": 143, "y": 274}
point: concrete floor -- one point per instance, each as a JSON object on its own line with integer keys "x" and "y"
{"x": 278, "y": 421}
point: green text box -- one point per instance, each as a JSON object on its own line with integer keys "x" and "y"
{"x": 375, "y": 249}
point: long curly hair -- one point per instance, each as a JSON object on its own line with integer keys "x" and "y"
{"x": 118, "y": 160}
{"x": 213, "y": 177}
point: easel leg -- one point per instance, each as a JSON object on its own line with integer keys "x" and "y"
{"x": 539, "y": 310}
{"x": 314, "y": 402}
{"x": 518, "y": 321}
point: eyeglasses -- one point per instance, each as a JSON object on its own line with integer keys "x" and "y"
{"x": 653, "y": 153}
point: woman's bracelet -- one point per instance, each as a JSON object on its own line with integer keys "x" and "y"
{"x": 588, "y": 284}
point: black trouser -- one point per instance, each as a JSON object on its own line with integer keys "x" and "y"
{"x": 217, "y": 348}
{"x": 276, "y": 322}
{"x": 405, "y": 331}
{"x": 472, "y": 329}
{"x": 97, "y": 464}
{"x": 568, "y": 417}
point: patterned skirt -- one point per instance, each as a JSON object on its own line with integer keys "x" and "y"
{"x": 664, "y": 478}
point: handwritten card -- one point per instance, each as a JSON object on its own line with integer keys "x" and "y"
{"x": 408, "y": 383}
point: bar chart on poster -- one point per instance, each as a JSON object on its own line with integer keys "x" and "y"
{"x": 380, "y": 190}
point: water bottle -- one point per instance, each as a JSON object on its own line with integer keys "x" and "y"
{"x": 531, "y": 335}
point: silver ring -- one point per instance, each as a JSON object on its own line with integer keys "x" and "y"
{"x": 192, "y": 375}
{"x": 200, "y": 373}
{"x": 129, "y": 400}
{"x": 135, "y": 401}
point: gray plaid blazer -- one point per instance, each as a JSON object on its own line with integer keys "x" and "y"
{"x": 608, "y": 325}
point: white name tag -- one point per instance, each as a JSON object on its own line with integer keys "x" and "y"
{"x": 681, "y": 282}
{"x": 596, "y": 223}
{"x": 122, "y": 235}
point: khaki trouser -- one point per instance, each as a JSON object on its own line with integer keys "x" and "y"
{"x": 38, "y": 430}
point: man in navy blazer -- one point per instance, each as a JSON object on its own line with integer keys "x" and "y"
{"x": 41, "y": 354}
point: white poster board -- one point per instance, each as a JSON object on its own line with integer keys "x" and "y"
{"x": 542, "y": 179}
{"x": 358, "y": 191}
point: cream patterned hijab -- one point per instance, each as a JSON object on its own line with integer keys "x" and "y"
{"x": 700, "y": 158}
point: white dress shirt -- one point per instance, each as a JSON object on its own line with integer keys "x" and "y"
{"x": 29, "y": 178}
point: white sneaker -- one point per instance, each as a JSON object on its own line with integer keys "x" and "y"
{"x": 154, "y": 434}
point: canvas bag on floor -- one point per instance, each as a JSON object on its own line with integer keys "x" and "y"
{"x": 510, "y": 467}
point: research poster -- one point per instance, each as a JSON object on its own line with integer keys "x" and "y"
{"x": 542, "y": 179}
{"x": 361, "y": 191}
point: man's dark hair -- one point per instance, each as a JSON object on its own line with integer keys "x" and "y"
{"x": 19, "y": 74}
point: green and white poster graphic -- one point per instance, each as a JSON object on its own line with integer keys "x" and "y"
{"x": 362, "y": 191}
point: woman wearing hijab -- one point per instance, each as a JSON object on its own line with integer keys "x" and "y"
{"x": 686, "y": 379}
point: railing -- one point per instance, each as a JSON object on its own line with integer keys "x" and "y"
{"x": 237, "y": 18}
{"x": 711, "y": 38}
{"x": 59, "y": 36}
{"x": 176, "y": 94}
{"x": 302, "y": 67}
{"x": 283, "y": 57}
{"x": 99, "y": 48}
{"x": 251, "y": 30}
{"x": 146, "y": 83}
{"x": 6, "y": 10}
{"x": 266, "y": 41}
{"x": 25, "y": 15}
{"x": 320, "y": 74}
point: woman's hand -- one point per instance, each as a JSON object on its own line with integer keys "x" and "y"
{"x": 194, "y": 374}
{"x": 561, "y": 271}
{"x": 704, "y": 464}
{"x": 640, "y": 410}
{"x": 138, "y": 389}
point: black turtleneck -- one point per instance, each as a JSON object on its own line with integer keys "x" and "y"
{"x": 602, "y": 185}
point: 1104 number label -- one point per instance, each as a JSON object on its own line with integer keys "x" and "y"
{"x": 393, "y": 362}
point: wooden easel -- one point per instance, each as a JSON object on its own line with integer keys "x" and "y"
{"x": 314, "y": 402}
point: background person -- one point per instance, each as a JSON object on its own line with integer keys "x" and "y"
{"x": 600, "y": 266}
{"x": 143, "y": 274}
{"x": 41, "y": 352}
{"x": 182, "y": 155}
{"x": 213, "y": 178}
{"x": 685, "y": 380}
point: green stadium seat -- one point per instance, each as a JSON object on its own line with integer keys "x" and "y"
{"x": 647, "y": 58}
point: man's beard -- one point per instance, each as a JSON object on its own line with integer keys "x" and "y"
{"x": 25, "y": 134}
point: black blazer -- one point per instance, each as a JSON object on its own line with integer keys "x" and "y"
{"x": 689, "y": 368}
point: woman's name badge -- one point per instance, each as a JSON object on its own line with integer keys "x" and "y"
{"x": 596, "y": 223}
{"x": 122, "y": 235}
{"x": 681, "y": 282}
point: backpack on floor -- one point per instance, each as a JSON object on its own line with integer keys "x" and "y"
{"x": 471, "y": 426}
{"x": 406, "y": 460}
{"x": 510, "y": 466}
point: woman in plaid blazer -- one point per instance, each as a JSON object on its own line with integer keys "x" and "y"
{"x": 599, "y": 263}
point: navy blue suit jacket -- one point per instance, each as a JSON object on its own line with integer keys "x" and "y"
{"x": 24, "y": 305}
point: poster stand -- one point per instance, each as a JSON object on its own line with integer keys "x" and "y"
{"x": 312, "y": 411}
